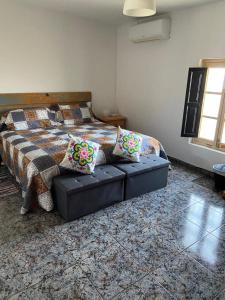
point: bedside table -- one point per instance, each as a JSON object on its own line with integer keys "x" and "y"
{"x": 114, "y": 120}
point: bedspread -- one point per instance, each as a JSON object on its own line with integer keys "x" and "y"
{"x": 33, "y": 156}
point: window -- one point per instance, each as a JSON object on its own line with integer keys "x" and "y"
{"x": 212, "y": 122}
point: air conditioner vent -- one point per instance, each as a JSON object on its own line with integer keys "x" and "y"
{"x": 158, "y": 29}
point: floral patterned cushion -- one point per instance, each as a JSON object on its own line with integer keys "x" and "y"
{"x": 128, "y": 145}
{"x": 81, "y": 155}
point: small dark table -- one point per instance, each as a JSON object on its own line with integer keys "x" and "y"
{"x": 219, "y": 176}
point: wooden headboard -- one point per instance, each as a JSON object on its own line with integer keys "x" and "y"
{"x": 22, "y": 100}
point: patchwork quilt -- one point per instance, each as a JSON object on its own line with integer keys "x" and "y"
{"x": 75, "y": 114}
{"x": 33, "y": 156}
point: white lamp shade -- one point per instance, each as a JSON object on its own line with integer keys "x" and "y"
{"x": 139, "y": 8}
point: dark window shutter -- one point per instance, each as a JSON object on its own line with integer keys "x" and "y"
{"x": 193, "y": 101}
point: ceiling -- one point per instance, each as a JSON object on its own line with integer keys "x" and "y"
{"x": 109, "y": 11}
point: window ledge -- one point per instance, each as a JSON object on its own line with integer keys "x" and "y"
{"x": 216, "y": 150}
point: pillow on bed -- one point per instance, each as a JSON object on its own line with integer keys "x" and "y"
{"x": 23, "y": 119}
{"x": 128, "y": 145}
{"x": 75, "y": 114}
{"x": 52, "y": 117}
{"x": 81, "y": 155}
{"x": 3, "y": 126}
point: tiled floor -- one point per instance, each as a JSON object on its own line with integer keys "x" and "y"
{"x": 169, "y": 244}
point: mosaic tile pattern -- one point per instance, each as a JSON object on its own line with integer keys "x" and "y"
{"x": 185, "y": 278}
{"x": 169, "y": 244}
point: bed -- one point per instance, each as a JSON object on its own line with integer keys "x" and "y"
{"x": 33, "y": 156}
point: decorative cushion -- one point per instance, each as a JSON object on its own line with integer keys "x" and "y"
{"x": 4, "y": 117}
{"x": 128, "y": 145}
{"x": 52, "y": 117}
{"x": 81, "y": 155}
{"x": 74, "y": 114}
{"x": 3, "y": 126}
{"x": 23, "y": 119}
{"x": 89, "y": 105}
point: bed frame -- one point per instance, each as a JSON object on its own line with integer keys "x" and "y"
{"x": 23, "y": 100}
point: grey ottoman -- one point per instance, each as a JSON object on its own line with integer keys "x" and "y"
{"x": 146, "y": 176}
{"x": 76, "y": 195}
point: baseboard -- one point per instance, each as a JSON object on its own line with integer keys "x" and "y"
{"x": 200, "y": 170}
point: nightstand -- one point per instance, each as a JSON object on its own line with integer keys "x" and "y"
{"x": 116, "y": 121}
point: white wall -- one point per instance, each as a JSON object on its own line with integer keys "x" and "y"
{"x": 44, "y": 51}
{"x": 152, "y": 76}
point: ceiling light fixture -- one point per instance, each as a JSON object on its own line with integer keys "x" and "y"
{"x": 139, "y": 8}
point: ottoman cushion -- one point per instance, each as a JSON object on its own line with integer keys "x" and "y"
{"x": 77, "y": 195}
{"x": 148, "y": 175}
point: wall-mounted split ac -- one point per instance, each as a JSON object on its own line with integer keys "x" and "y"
{"x": 158, "y": 29}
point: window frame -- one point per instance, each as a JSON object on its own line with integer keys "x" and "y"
{"x": 216, "y": 143}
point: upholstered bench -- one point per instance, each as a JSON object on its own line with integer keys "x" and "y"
{"x": 76, "y": 195}
{"x": 146, "y": 176}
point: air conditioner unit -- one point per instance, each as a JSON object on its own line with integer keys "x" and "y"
{"x": 158, "y": 29}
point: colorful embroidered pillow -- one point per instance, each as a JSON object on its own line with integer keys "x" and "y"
{"x": 75, "y": 114}
{"x": 128, "y": 145}
{"x": 23, "y": 119}
{"x": 81, "y": 155}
